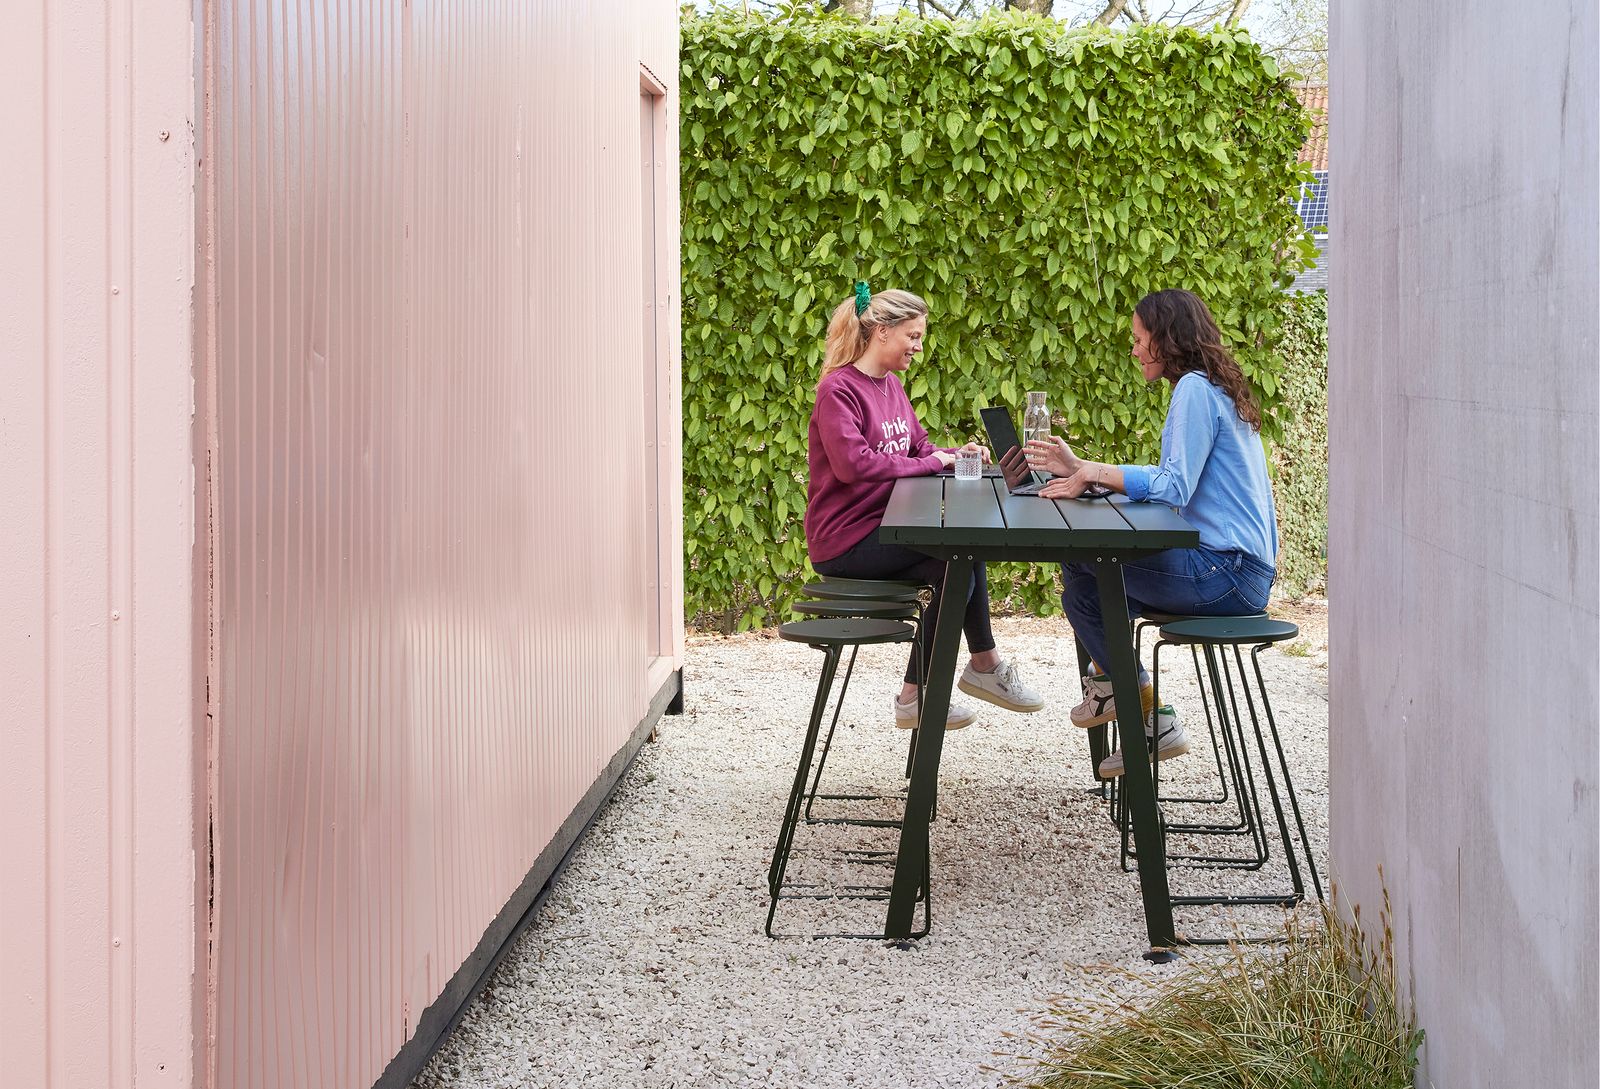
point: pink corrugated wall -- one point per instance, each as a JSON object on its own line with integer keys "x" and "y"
{"x": 99, "y": 935}
{"x": 430, "y": 417}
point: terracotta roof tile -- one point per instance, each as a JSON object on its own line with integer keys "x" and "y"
{"x": 1314, "y": 97}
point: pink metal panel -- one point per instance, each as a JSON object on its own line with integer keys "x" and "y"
{"x": 432, "y": 632}
{"x": 98, "y": 876}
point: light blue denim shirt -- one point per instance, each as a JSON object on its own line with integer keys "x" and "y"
{"x": 1213, "y": 470}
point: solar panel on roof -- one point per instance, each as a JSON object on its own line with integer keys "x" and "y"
{"x": 1313, "y": 203}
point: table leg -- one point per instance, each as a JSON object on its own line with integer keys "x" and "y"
{"x": 1137, "y": 786}
{"x": 911, "y": 860}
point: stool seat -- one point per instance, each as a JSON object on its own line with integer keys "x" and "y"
{"x": 880, "y": 589}
{"x": 859, "y": 608}
{"x": 846, "y": 632}
{"x": 1229, "y": 630}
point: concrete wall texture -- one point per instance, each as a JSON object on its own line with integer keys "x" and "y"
{"x": 1463, "y": 531}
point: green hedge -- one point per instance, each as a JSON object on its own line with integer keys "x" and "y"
{"x": 1030, "y": 181}
{"x": 1300, "y": 456}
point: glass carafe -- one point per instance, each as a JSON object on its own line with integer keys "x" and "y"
{"x": 1035, "y": 419}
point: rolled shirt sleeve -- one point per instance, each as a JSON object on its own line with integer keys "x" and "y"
{"x": 1136, "y": 482}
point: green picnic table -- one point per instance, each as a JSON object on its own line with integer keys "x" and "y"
{"x": 965, "y": 521}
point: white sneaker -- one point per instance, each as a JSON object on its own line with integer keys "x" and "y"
{"x": 1163, "y": 733}
{"x": 1098, "y": 705}
{"x": 1003, "y": 688}
{"x": 905, "y": 715}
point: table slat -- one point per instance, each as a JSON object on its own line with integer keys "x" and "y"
{"x": 1029, "y": 512}
{"x": 950, "y": 515}
{"x": 916, "y": 501}
{"x": 1090, "y": 515}
{"x": 1157, "y": 522}
{"x": 971, "y": 505}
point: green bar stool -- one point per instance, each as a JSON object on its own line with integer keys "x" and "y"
{"x": 874, "y": 593}
{"x": 1221, "y": 642}
{"x": 834, "y": 588}
{"x": 856, "y": 609}
{"x": 1225, "y": 757}
{"x": 831, "y": 636}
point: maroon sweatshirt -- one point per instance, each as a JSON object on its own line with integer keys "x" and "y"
{"x": 864, "y": 436}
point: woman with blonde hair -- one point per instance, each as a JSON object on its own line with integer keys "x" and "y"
{"x": 1212, "y": 469}
{"x": 864, "y": 435}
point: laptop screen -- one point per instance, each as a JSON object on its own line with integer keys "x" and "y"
{"x": 1002, "y": 432}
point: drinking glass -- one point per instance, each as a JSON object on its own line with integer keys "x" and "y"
{"x": 969, "y": 465}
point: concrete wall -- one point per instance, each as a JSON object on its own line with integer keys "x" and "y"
{"x": 100, "y": 941}
{"x": 1463, "y": 526}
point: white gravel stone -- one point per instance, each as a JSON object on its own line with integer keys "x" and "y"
{"x": 647, "y": 966}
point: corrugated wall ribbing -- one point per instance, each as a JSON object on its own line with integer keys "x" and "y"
{"x": 431, "y": 510}
{"x": 98, "y": 882}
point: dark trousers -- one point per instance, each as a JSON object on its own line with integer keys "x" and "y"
{"x": 871, "y": 560}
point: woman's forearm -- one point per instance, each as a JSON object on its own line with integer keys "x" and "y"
{"x": 1108, "y": 476}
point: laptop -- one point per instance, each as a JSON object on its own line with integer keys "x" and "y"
{"x": 1002, "y": 432}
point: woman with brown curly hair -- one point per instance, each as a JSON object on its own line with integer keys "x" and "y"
{"x": 1212, "y": 469}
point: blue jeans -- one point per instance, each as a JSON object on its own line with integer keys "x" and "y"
{"x": 1182, "y": 581}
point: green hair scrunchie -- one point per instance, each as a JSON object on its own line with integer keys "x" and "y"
{"x": 863, "y": 297}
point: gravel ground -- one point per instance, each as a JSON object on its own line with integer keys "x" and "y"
{"x": 647, "y": 965}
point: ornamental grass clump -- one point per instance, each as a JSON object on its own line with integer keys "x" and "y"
{"x": 1318, "y": 1011}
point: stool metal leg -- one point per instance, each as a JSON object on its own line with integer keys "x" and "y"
{"x": 1224, "y": 776}
{"x": 1297, "y": 893}
{"x": 1238, "y": 770}
{"x": 1222, "y": 746}
{"x": 1216, "y": 749}
{"x": 1288, "y": 780}
{"x": 1232, "y": 727}
{"x": 1272, "y": 785}
{"x": 791, "y": 815}
{"x": 798, "y": 802}
{"x": 827, "y": 746}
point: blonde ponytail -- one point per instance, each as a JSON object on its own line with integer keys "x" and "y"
{"x": 849, "y": 332}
